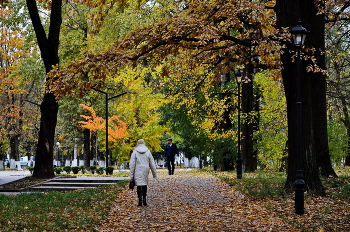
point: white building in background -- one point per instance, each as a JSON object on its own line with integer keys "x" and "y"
{"x": 160, "y": 163}
{"x": 192, "y": 163}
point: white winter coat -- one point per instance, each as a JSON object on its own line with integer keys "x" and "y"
{"x": 141, "y": 162}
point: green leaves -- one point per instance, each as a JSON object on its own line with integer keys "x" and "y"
{"x": 272, "y": 132}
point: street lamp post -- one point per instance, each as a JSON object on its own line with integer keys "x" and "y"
{"x": 106, "y": 103}
{"x": 239, "y": 160}
{"x": 299, "y": 33}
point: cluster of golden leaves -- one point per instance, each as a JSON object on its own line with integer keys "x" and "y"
{"x": 210, "y": 32}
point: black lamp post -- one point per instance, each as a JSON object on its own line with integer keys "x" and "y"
{"x": 106, "y": 102}
{"x": 239, "y": 161}
{"x": 299, "y": 34}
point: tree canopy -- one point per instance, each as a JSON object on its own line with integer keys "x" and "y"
{"x": 213, "y": 33}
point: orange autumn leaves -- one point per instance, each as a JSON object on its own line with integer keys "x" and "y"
{"x": 117, "y": 129}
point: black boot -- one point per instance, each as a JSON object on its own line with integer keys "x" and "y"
{"x": 144, "y": 194}
{"x": 139, "y": 195}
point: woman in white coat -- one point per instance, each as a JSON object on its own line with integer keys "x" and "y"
{"x": 141, "y": 162}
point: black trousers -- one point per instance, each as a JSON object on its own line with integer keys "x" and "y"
{"x": 142, "y": 192}
{"x": 170, "y": 162}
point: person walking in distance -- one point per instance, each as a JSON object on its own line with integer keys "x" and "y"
{"x": 141, "y": 162}
{"x": 170, "y": 152}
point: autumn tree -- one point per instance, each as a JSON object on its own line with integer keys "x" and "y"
{"x": 92, "y": 26}
{"x": 116, "y": 127}
{"x": 15, "y": 87}
{"x": 139, "y": 108}
{"x": 338, "y": 66}
{"x": 48, "y": 44}
{"x": 135, "y": 119}
{"x": 11, "y": 96}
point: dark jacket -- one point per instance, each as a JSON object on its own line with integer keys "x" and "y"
{"x": 171, "y": 150}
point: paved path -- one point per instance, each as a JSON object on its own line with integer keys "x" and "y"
{"x": 190, "y": 202}
{"x": 7, "y": 176}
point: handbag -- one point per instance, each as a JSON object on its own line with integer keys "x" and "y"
{"x": 132, "y": 184}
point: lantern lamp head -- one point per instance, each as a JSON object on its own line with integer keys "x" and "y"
{"x": 239, "y": 75}
{"x": 299, "y": 34}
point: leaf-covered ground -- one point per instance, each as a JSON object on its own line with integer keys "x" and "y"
{"x": 193, "y": 201}
{"x": 188, "y": 201}
{"x": 330, "y": 213}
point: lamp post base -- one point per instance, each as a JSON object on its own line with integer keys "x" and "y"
{"x": 299, "y": 187}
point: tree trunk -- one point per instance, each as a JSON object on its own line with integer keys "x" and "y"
{"x": 288, "y": 13}
{"x": 347, "y": 158}
{"x": 256, "y": 123}
{"x": 2, "y": 152}
{"x": 94, "y": 146}
{"x": 318, "y": 96}
{"x": 249, "y": 161}
{"x": 14, "y": 141}
{"x": 346, "y": 122}
{"x": 15, "y": 128}
{"x": 87, "y": 151}
{"x": 226, "y": 160}
{"x": 49, "y": 107}
{"x": 226, "y": 164}
{"x": 44, "y": 154}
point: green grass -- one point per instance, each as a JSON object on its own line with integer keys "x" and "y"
{"x": 338, "y": 188}
{"x": 81, "y": 210}
{"x": 267, "y": 184}
{"x": 257, "y": 185}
